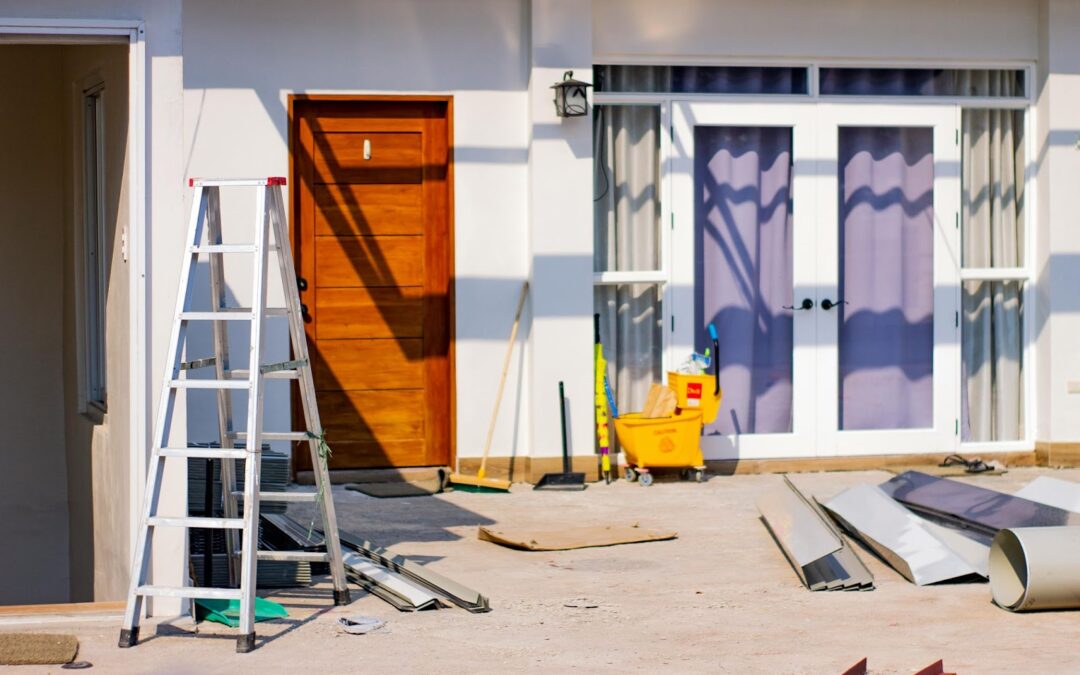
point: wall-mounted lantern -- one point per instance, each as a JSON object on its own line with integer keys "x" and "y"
{"x": 570, "y": 96}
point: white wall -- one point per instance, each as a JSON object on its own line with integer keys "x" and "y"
{"x": 921, "y": 30}
{"x": 243, "y": 59}
{"x": 33, "y": 470}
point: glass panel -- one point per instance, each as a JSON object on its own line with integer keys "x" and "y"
{"x": 921, "y": 82}
{"x": 630, "y": 320}
{"x": 700, "y": 79}
{"x": 992, "y": 405}
{"x": 626, "y": 192}
{"x": 993, "y": 188}
{"x": 886, "y": 178}
{"x": 743, "y": 271}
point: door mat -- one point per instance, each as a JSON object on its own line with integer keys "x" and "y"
{"x": 412, "y": 488}
{"x": 228, "y": 611}
{"x": 26, "y": 649}
{"x": 566, "y": 538}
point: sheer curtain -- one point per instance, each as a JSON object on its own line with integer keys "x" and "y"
{"x": 993, "y": 237}
{"x": 627, "y": 219}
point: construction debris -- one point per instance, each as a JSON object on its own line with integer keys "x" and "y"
{"x": 360, "y": 624}
{"x": 567, "y": 538}
{"x": 1035, "y": 568}
{"x": 911, "y": 545}
{"x": 812, "y": 544}
{"x": 391, "y": 587}
{"x": 970, "y": 506}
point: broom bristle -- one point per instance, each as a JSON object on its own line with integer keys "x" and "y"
{"x": 478, "y": 484}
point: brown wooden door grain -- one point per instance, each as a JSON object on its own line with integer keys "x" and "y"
{"x": 372, "y": 236}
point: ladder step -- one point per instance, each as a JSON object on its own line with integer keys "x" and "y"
{"x": 223, "y": 248}
{"x": 273, "y": 375}
{"x": 204, "y": 453}
{"x": 192, "y": 592}
{"x": 294, "y": 556}
{"x": 231, "y": 314}
{"x": 274, "y": 435}
{"x": 209, "y": 384}
{"x": 197, "y": 522}
{"x": 310, "y": 497}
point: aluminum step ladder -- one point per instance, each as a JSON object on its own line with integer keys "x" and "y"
{"x": 205, "y": 240}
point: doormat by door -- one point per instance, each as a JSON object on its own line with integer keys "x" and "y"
{"x": 566, "y": 538}
{"x": 37, "y": 649}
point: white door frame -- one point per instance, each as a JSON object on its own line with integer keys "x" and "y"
{"x": 943, "y": 436}
{"x": 815, "y": 245}
{"x": 133, "y": 32}
{"x": 799, "y": 117}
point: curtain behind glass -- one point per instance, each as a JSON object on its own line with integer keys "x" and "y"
{"x": 993, "y": 236}
{"x": 626, "y": 213}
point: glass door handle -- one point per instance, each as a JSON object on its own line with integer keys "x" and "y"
{"x": 828, "y": 304}
{"x": 807, "y": 303}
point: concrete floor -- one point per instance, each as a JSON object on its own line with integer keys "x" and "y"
{"x": 720, "y": 598}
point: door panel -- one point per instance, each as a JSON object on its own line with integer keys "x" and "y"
{"x": 743, "y": 207}
{"x": 372, "y": 230}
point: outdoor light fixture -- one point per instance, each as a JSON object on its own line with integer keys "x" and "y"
{"x": 570, "y": 99}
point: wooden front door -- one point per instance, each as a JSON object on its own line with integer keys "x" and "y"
{"x": 372, "y": 236}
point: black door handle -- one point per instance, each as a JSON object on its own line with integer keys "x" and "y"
{"x": 807, "y": 303}
{"x": 828, "y": 304}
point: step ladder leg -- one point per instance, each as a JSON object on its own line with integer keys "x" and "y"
{"x": 140, "y": 565}
{"x": 245, "y": 642}
{"x": 221, "y": 369}
{"x": 307, "y": 396}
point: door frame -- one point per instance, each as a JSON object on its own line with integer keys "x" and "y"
{"x": 815, "y": 165}
{"x": 294, "y": 218}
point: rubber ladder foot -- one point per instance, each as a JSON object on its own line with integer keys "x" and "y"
{"x": 129, "y": 637}
{"x": 341, "y": 597}
{"x": 245, "y": 643}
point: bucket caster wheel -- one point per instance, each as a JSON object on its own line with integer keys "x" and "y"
{"x": 645, "y": 479}
{"x": 699, "y": 475}
{"x": 630, "y": 474}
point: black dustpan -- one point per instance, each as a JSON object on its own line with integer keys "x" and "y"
{"x": 567, "y": 480}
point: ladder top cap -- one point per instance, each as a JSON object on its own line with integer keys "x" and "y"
{"x": 272, "y": 180}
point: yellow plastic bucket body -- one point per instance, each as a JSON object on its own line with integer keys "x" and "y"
{"x": 661, "y": 442}
{"x": 695, "y": 392}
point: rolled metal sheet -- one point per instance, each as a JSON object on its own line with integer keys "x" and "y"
{"x": 899, "y": 536}
{"x": 1034, "y": 568}
{"x": 1064, "y": 494}
{"x": 972, "y": 506}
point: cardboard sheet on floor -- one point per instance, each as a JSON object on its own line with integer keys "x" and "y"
{"x": 29, "y": 649}
{"x": 566, "y": 538}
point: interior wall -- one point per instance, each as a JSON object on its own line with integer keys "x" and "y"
{"x": 33, "y": 470}
{"x": 98, "y": 443}
{"x": 918, "y": 30}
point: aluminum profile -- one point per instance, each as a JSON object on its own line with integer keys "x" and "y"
{"x": 809, "y": 540}
{"x": 970, "y": 506}
{"x": 1063, "y": 494}
{"x": 907, "y": 542}
{"x": 401, "y": 593}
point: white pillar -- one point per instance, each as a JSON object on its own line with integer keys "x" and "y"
{"x": 560, "y": 231}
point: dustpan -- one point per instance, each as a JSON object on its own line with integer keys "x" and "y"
{"x": 567, "y": 480}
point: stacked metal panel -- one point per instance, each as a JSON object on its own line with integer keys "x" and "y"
{"x": 921, "y": 551}
{"x": 1063, "y": 494}
{"x": 813, "y": 545}
{"x": 273, "y": 477}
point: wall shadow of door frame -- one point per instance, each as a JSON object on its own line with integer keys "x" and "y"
{"x": 296, "y": 103}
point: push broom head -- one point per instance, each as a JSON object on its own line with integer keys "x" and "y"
{"x": 478, "y": 483}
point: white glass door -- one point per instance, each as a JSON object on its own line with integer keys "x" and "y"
{"x": 742, "y": 177}
{"x": 888, "y": 279}
{"x": 822, "y": 242}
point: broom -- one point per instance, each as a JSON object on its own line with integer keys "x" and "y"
{"x": 479, "y": 482}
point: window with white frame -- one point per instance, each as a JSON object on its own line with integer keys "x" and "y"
{"x": 94, "y": 248}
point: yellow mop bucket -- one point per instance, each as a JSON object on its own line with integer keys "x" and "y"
{"x": 697, "y": 392}
{"x": 661, "y": 442}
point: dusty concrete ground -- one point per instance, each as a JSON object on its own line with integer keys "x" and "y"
{"x": 720, "y": 598}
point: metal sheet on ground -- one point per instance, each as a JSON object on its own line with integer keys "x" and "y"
{"x": 798, "y": 529}
{"x": 973, "y": 506}
{"x": 415, "y": 598}
{"x": 1063, "y": 494}
{"x": 898, "y": 536}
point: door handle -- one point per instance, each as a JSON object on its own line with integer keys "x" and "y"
{"x": 828, "y": 304}
{"x": 807, "y": 303}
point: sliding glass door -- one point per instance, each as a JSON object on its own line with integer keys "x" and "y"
{"x": 821, "y": 240}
